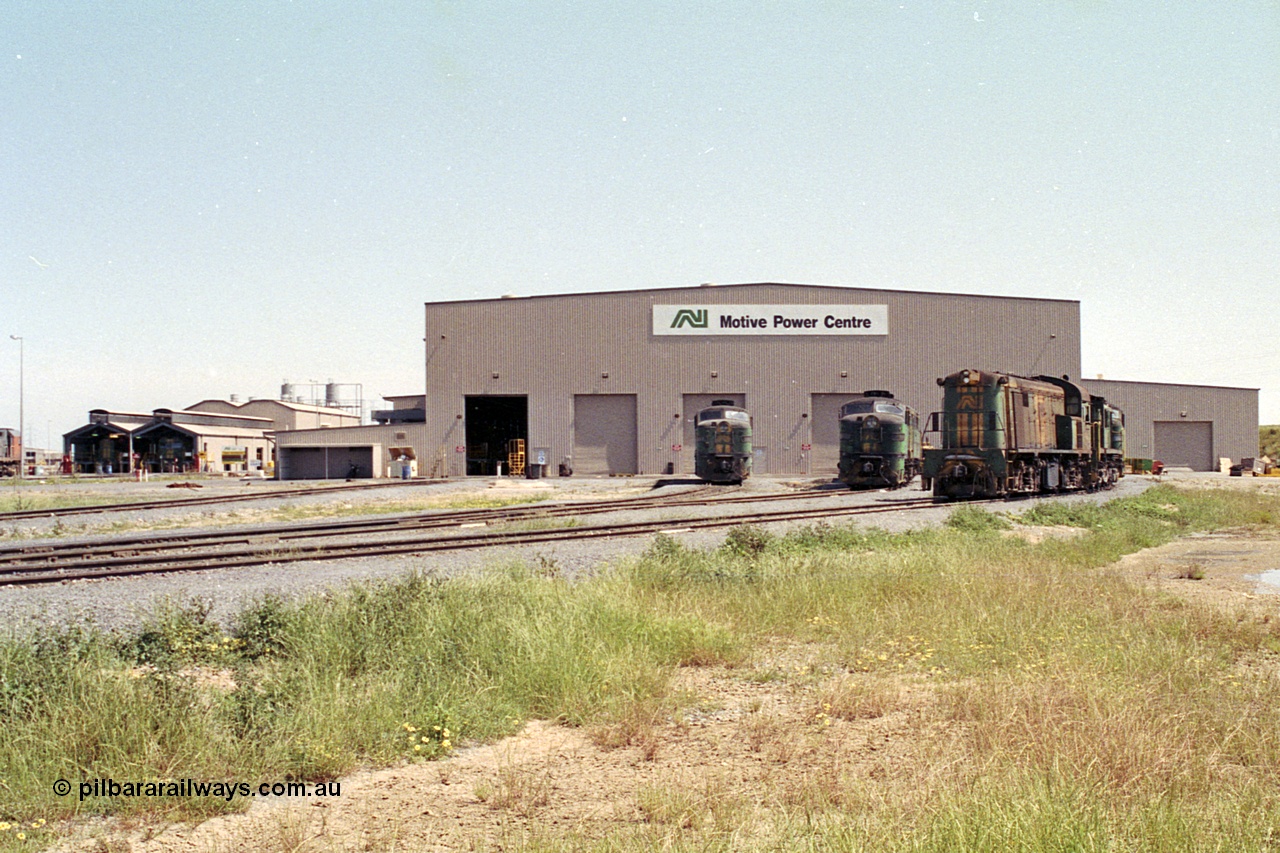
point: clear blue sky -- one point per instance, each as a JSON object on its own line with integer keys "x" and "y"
{"x": 206, "y": 199}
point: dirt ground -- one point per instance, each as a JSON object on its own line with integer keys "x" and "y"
{"x": 753, "y": 740}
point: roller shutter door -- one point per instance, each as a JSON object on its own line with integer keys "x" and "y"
{"x": 325, "y": 463}
{"x": 604, "y": 434}
{"x": 301, "y": 463}
{"x": 694, "y": 403}
{"x": 824, "y": 427}
{"x": 1185, "y": 444}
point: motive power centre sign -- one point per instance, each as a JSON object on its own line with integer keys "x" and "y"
{"x": 771, "y": 319}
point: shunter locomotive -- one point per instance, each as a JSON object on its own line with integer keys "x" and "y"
{"x": 999, "y": 435}
{"x": 723, "y": 443}
{"x": 880, "y": 443}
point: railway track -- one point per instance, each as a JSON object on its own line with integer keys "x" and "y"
{"x": 90, "y": 548}
{"x": 36, "y": 563}
{"x": 86, "y": 549}
{"x": 165, "y": 503}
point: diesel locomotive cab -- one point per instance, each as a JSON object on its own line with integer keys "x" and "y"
{"x": 880, "y": 442}
{"x": 723, "y": 435}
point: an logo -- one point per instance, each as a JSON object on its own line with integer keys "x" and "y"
{"x": 689, "y": 317}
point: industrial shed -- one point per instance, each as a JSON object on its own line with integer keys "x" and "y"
{"x": 166, "y": 446}
{"x": 1190, "y": 426}
{"x": 356, "y": 453}
{"x": 102, "y": 445}
{"x": 214, "y": 436}
{"x": 284, "y": 415}
{"x": 607, "y": 383}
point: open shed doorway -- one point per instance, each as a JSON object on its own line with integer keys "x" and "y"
{"x": 492, "y": 424}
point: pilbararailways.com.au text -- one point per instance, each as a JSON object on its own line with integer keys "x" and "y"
{"x": 197, "y": 788}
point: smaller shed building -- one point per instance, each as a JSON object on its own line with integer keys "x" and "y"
{"x": 1187, "y": 426}
{"x": 379, "y": 450}
{"x": 405, "y": 409}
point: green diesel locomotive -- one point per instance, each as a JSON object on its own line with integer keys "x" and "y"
{"x": 1000, "y": 434}
{"x": 722, "y": 432}
{"x": 880, "y": 442}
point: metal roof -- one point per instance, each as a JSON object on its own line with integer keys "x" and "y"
{"x": 109, "y": 425}
{"x": 298, "y": 407}
{"x": 1086, "y": 380}
{"x": 710, "y": 286}
{"x": 202, "y": 430}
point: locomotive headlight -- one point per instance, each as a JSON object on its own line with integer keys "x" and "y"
{"x": 964, "y": 377}
{"x": 872, "y": 422}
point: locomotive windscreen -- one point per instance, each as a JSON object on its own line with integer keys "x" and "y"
{"x": 867, "y": 407}
{"x": 724, "y": 415}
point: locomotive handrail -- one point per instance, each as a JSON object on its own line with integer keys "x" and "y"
{"x": 951, "y": 441}
{"x": 950, "y": 435}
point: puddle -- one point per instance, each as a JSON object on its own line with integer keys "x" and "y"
{"x": 1268, "y": 581}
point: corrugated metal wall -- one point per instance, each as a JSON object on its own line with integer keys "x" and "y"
{"x": 1232, "y": 411}
{"x": 824, "y": 452}
{"x": 554, "y": 347}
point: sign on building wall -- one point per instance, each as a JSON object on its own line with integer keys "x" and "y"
{"x": 771, "y": 319}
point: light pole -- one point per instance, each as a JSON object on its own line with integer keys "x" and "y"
{"x": 22, "y": 429}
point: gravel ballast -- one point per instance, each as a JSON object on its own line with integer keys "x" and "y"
{"x": 123, "y": 602}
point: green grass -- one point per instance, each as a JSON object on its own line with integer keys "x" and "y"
{"x": 15, "y": 498}
{"x": 1086, "y": 713}
{"x": 1269, "y": 442}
